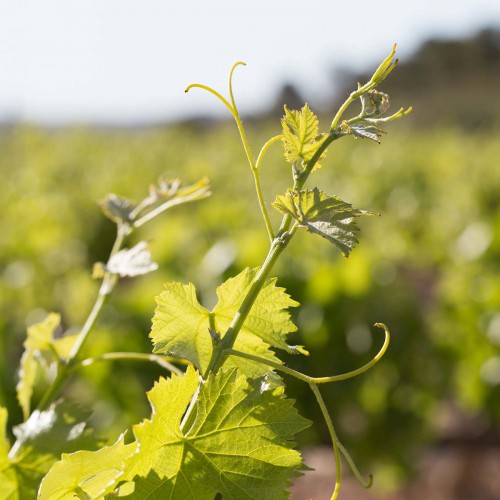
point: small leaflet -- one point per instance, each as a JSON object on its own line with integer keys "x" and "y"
{"x": 366, "y": 132}
{"x": 117, "y": 208}
{"x": 132, "y": 262}
{"x": 328, "y": 216}
{"x": 41, "y": 352}
{"x": 301, "y": 138}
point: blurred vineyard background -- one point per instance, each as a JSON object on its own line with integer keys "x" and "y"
{"x": 429, "y": 268}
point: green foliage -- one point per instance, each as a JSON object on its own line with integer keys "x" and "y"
{"x": 418, "y": 269}
{"x": 328, "y": 216}
{"x": 181, "y": 326}
{"x": 86, "y": 474}
{"x": 8, "y": 478}
{"x": 42, "y": 353}
{"x": 301, "y": 137}
{"x": 236, "y": 441}
{"x": 40, "y": 441}
{"x": 224, "y": 426}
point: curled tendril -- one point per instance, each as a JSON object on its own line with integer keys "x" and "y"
{"x": 313, "y": 383}
{"x": 213, "y": 92}
{"x": 235, "y": 65}
{"x": 231, "y": 106}
{"x": 364, "y": 368}
{"x": 366, "y": 483}
{"x": 320, "y": 380}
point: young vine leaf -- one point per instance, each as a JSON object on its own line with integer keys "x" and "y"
{"x": 40, "y": 442}
{"x": 41, "y": 350}
{"x": 365, "y": 132}
{"x": 181, "y": 324}
{"x": 87, "y": 474}
{"x": 117, "y": 208}
{"x": 238, "y": 442}
{"x": 301, "y": 138}
{"x": 328, "y": 216}
{"x": 132, "y": 262}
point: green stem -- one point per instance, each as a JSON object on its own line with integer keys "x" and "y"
{"x": 277, "y": 366}
{"x": 54, "y": 387}
{"x": 318, "y": 380}
{"x": 365, "y": 367}
{"x": 107, "y": 285}
{"x": 196, "y": 195}
{"x": 135, "y": 356}
{"x": 333, "y": 435}
{"x": 220, "y": 353}
{"x": 254, "y": 166}
{"x": 332, "y": 136}
{"x": 262, "y": 204}
{"x": 304, "y": 175}
{"x": 258, "y": 188}
{"x": 264, "y": 149}
{"x": 277, "y": 246}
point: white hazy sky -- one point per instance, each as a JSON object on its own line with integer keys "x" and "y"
{"x": 122, "y": 61}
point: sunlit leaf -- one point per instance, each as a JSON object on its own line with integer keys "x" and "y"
{"x": 328, "y": 216}
{"x": 181, "y": 324}
{"x": 238, "y": 441}
{"x": 268, "y": 319}
{"x": 301, "y": 138}
{"x": 9, "y": 488}
{"x": 86, "y": 474}
{"x": 64, "y": 345}
{"x": 40, "y": 442}
{"x": 40, "y": 338}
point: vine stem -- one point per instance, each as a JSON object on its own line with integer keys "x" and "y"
{"x": 318, "y": 380}
{"x": 254, "y": 166}
{"x": 196, "y": 195}
{"x": 380, "y": 74}
{"x": 107, "y": 285}
{"x": 219, "y": 354}
{"x": 333, "y": 435}
{"x": 162, "y": 361}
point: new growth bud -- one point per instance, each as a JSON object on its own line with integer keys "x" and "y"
{"x": 379, "y": 101}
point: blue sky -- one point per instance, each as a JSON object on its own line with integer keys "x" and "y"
{"x": 123, "y": 61}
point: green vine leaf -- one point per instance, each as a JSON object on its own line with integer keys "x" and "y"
{"x": 363, "y": 131}
{"x": 239, "y": 442}
{"x": 132, "y": 262}
{"x": 41, "y": 352}
{"x": 86, "y": 474}
{"x": 328, "y": 216}
{"x": 40, "y": 442}
{"x": 301, "y": 137}
{"x": 181, "y": 324}
{"x": 8, "y": 479}
{"x": 117, "y": 208}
